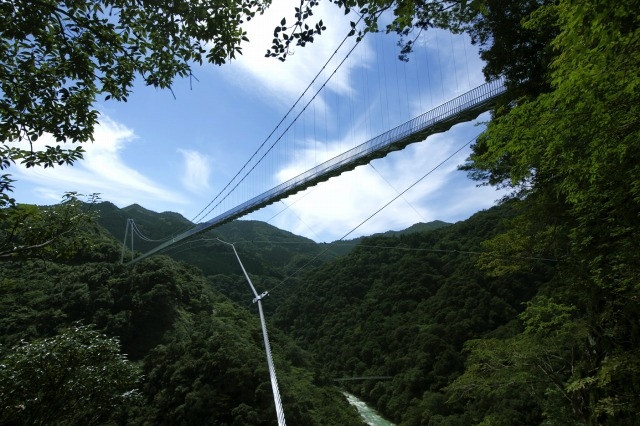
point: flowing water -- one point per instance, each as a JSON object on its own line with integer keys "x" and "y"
{"x": 368, "y": 414}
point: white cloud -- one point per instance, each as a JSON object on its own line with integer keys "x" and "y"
{"x": 332, "y": 209}
{"x": 281, "y": 82}
{"x": 196, "y": 172}
{"x": 102, "y": 170}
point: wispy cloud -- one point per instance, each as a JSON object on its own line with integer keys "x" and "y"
{"x": 336, "y": 207}
{"x": 103, "y": 170}
{"x": 196, "y": 171}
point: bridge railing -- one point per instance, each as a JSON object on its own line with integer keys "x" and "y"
{"x": 411, "y": 131}
{"x": 462, "y": 108}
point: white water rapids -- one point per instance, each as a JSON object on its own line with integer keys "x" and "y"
{"x": 368, "y": 414}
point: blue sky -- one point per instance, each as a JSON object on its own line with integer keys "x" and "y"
{"x": 171, "y": 154}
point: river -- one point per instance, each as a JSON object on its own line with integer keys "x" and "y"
{"x": 368, "y": 414}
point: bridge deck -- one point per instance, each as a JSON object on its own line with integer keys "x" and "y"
{"x": 464, "y": 108}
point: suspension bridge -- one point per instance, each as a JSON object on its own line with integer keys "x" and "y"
{"x": 460, "y": 109}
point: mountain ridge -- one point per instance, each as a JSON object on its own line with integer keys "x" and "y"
{"x": 283, "y": 248}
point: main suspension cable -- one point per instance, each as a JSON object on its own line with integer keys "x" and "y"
{"x": 277, "y": 126}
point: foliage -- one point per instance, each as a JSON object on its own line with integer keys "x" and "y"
{"x": 54, "y": 232}
{"x": 139, "y": 307}
{"x": 76, "y": 377}
{"x": 404, "y": 307}
{"x": 520, "y": 54}
{"x": 450, "y": 314}
{"x": 408, "y": 17}
{"x": 572, "y": 155}
{"x": 215, "y": 372}
{"x": 202, "y": 356}
{"x": 60, "y": 57}
{"x": 538, "y": 362}
{"x": 265, "y": 250}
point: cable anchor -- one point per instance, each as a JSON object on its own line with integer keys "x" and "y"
{"x": 263, "y": 295}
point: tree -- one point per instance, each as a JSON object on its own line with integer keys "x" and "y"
{"x": 408, "y": 16}
{"x": 515, "y": 380}
{"x": 519, "y": 54}
{"x": 572, "y": 155}
{"x": 76, "y": 377}
{"x": 576, "y": 146}
{"x": 59, "y": 57}
{"x": 53, "y": 232}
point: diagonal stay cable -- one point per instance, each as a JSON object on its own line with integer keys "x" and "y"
{"x": 272, "y": 370}
{"x": 376, "y": 212}
{"x": 394, "y": 188}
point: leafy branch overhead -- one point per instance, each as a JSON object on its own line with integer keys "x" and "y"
{"x": 407, "y": 17}
{"x": 300, "y": 32}
{"x": 59, "y": 57}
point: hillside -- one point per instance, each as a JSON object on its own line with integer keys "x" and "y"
{"x": 266, "y": 250}
{"x": 194, "y": 356}
{"x": 404, "y": 306}
{"x": 442, "y": 315}
{"x": 344, "y": 247}
{"x": 268, "y": 253}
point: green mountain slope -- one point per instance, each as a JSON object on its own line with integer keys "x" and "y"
{"x": 265, "y": 249}
{"x": 343, "y": 247}
{"x": 270, "y": 255}
{"x": 404, "y": 306}
{"x": 201, "y": 356}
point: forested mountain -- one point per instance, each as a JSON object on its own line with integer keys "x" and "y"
{"x": 193, "y": 356}
{"x": 344, "y": 247}
{"x": 384, "y": 301}
{"x": 430, "y": 310}
{"x": 269, "y": 254}
{"x": 266, "y": 250}
{"x": 405, "y": 307}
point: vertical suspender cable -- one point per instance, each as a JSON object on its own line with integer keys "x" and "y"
{"x": 124, "y": 240}
{"x": 267, "y": 346}
{"x": 132, "y": 253}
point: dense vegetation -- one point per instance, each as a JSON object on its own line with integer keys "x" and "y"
{"x": 266, "y": 249}
{"x": 193, "y": 356}
{"x": 404, "y": 307}
{"x": 566, "y": 142}
{"x": 571, "y": 152}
